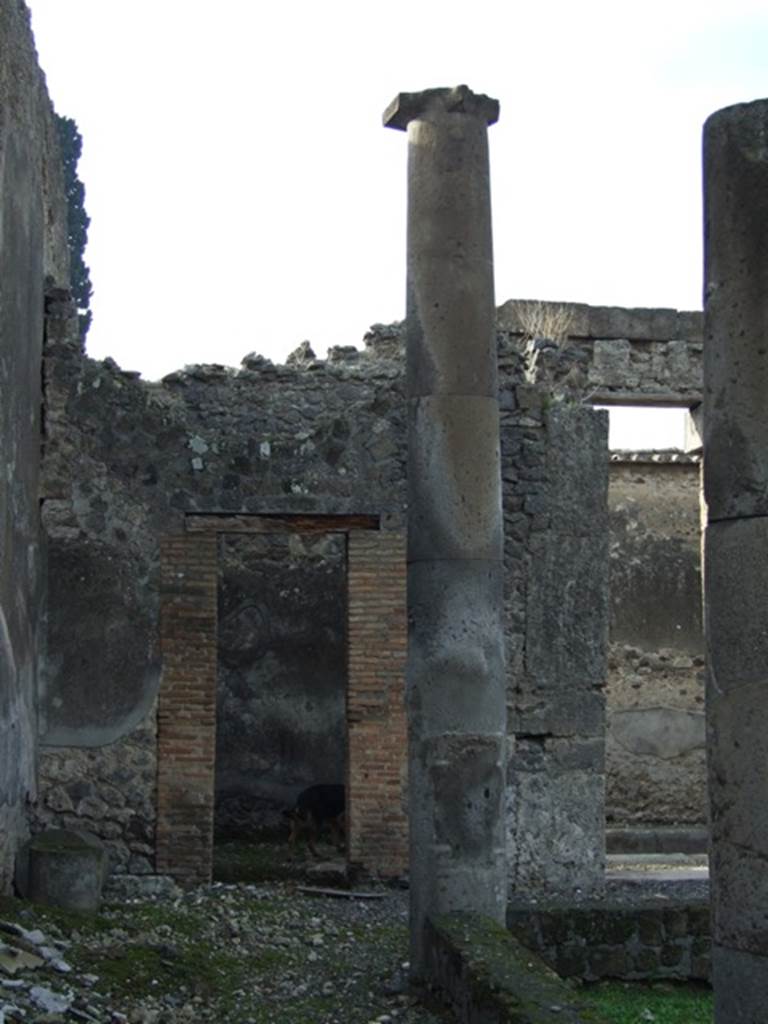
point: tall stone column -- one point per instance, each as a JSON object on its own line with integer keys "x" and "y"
{"x": 736, "y": 551}
{"x": 455, "y": 674}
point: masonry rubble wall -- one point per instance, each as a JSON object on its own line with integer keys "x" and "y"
{"x": 125, "y": 460}
{"x": 609, "y": 354}
{"x": 554, "y": 469}
{"x": 656, "y": 763}
{"x": 32, "y": 246}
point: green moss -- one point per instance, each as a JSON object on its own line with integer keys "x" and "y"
{"x": 250, "y": 863}
{"x": 668, "y": 1003}
{"x": 147, "y": 916}
{"x": 38, "y": 915}
{"x": 504, "y": 976}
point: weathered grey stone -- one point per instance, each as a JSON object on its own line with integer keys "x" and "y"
{"x": 566, "y": 597}
{"x": 65, "y": 869}
{"x": 604, "y": 353}
{"x": 561, "y": 712}
{"x": 453, "y": 472}
{"x": 456, "y": 780}
{"x": 454, "y": 645}
{"x": 736, "y": 577}
{"x": 740, "y": 981}
{"x": 557, "y": 662}
{"x": 659, "y": 732}
{"x": 736, "y": 349}
{"x": 656, "y": 654}
{"x": 556, "y": 831}
{"x": 451, "y": 344}
{"x": 456, "y": 798}
{"x": 736, "y": 549}
{"x": 610, "y": 362}
{"x": 33, "y": 245}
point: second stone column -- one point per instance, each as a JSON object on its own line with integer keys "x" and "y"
{"x": 455, "y": 676}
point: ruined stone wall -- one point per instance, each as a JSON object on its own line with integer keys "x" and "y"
{"x": 124, "y": 461}
{"x": 32, "y": 245}
{"x": 656, "y": 771}
{"x": 555, "y": 478}
{"x": 607, "y": 354}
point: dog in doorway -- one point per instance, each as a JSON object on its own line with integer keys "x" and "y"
{"x": 314, "y": 808}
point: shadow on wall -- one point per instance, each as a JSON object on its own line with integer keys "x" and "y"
{"x": 281, "y": 676}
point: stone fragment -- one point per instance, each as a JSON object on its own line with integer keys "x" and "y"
{"x": 13, "y": 959}
{"x": 48, "y": 1000}
{"x": 659, "y": 732}
{"x": 64, "y": 869}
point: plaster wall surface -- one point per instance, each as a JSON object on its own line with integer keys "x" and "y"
{"x": 32, "y": 244}
{"x": 656, "y": 767}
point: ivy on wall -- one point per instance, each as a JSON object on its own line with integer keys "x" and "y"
{"x": 71, "y": 143}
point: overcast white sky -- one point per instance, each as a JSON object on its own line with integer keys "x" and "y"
{"x": 244, "y": 195}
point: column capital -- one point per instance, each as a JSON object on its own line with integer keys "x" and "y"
{"x": 409, "y": 106}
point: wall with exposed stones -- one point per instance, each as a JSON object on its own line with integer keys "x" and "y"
{"x": 608, "y": 354}
{"x": 656, "y": 936}
{"x": 555, "y": 472}
{"x": 656, "y": 771}
{"x": 126, "y": 460}
{"x": 32, "y": 245}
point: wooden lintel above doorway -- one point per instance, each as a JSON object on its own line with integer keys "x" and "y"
{"x": 278, "y": 523}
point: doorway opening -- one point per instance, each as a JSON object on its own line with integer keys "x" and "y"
{"x": 282, "y": 678}
{"x": 656, "y": 799}
{"x": 374, "y": 711}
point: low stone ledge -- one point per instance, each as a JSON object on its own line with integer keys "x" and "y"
{"x": 652, "y": 939}
{"x": 687, "y": 839}
{"x": 488, "y": 977}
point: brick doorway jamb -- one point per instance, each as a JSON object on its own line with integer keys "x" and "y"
{"x": 377, "y": 830}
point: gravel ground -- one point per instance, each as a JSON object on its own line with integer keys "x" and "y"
{"x": 244, "y": 950}
{"x": 250, "y": 953}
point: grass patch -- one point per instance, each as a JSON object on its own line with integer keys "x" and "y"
{"x": 157, "y": 970}
{"x": 635, "y": 1003}
{"x": 54, "y": 919}
{"x": 250, "y": 862}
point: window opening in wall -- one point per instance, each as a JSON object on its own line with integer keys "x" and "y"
{"x": 282, "y": 677}
{"x": 649, "y": 428}
{"x": 656, "y": 798}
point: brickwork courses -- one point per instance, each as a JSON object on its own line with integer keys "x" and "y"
{"x": 187, "y": 707}
{"x": 377, "y": 832}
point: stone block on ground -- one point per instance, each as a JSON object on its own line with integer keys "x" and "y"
{"x": 63, "y": 868}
